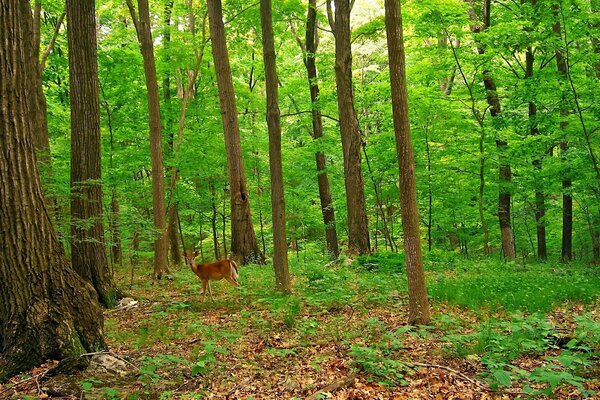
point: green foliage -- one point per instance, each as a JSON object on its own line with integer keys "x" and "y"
{"x": 207, "y": 360}
{"x": 534, "y": 288}
{"x": 380, "y": 359}
{"x": 498, "y": 345}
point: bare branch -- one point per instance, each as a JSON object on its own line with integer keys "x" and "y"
{"x": 50, "y": 46}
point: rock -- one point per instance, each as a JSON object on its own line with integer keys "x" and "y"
{"x": 126, "y": 303}
{"x": 108, "y": 364}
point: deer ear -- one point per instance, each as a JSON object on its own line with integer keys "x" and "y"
{"x": 196, "y": 252}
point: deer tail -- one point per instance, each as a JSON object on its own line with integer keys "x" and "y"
{"x": 235, "y": 271}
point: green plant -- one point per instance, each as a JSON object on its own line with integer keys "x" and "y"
{"x": 207, "y": 359}
{"x": 387, "y": 371}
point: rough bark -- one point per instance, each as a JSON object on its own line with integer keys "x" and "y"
{"x": 418, "y": 305}
{"x": 38, "y": 318}
{"x": 327, "y": 209}
{"x": 87, "y": 230}
{"x": 280, "y": 256}
{"x": 158, "y": 197}
{"x": 244, "y": 247}
{"x": 540, "y": 206}
{"x": 504, "y": 168}
{"x": 358, "y": 228}
{"x": 567, "y": 200}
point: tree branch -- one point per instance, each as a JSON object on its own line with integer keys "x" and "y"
{"x": 134, "y": 18}
{"x": 50, "y": 46}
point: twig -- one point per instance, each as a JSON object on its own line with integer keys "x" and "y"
{"x": 465, "y": 377}
{"x": 36, "y": 377}
{"x": 332, "y": 387}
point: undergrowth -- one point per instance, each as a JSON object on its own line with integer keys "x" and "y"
{"x": 501, "y": 320}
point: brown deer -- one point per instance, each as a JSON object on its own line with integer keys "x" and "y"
{"x": 222, "y": 269}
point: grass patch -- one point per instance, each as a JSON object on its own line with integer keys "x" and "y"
{"x": 495, "y": 286}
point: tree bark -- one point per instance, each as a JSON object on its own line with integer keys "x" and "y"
{"x": 327, "y": 209}
{"x": 158, "y": 196}
{"x": 567, "y": 200}
{"x": 280, "y": 256}
{"x": 87, "y": 229}
{"x": 244, "y": 247}
{"x": 358, "y": 227}
{"x": 38, "y": 318}
{"x": 418, "y": 306}
{"x": 504, "y": 169}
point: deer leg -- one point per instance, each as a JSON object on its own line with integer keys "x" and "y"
{"x": 232, "y": 281}
{"x": 210, "y": 292}
{"x": 204, "y": 289}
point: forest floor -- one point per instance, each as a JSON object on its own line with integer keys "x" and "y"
{"x": 343, "y": 334}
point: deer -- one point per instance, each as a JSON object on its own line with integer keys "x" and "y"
{"x": 222, "y": 269}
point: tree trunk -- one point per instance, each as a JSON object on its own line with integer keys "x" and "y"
{"x": 418, "y": 306}
{"x": 115, "y": 229}
{"x": 38, "y": 318}
{"x": 156, "y": 154}
{"x": 213, "y": 223}
{"x": 173, "y": 209}
{"x": 317, "y": 122}
{"x": 244, "y": 247}
{"x": 87, "y": 229}
{"x": 358, "y": 228}
{"x": 567, "y": 200}
{"x": 540, "y": 207}
{"x": 504, "y": 169}
{"x": 280, "y": 256}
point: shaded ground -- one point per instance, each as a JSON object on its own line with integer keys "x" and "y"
{"x": 345, "y": 329}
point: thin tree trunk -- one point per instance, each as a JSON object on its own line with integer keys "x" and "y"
{"x": 280, "y": 256}
{"x": 504, "y": 169}
{"x": 327, "y": 209}
{"x": 429, "y": 189}
{"x": 38, "y": 318}
{"x": 158, "y": 196}
{"x": 358, "y": 227}
{"x": 115, "y": 229}
{"x": 540, "y": 207}
{"x": 173, "y": 209}
{"x": 418, "y": 306}
{"x": 213, "y": 223}
{"x": 567, "y": 200}
{"x": 116, "y": 249}
{"x": 87, "y": 229}
{"x": 244, "y": 247}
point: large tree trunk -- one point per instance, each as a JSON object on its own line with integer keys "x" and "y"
{"x": 87, "y": 229}
{"x": 418, "y": 306}
{"x": 567, "y": 200}
{"x": 317, "y": 122}
{"x": 39, "y": 319}
{"x": 244, "y": 247}
{"x": 504, "y": 169}
{"x": 540, "y": 206}
{"x": 358, "y": 228}
{"x": 158, "y": 196}
{"x": 280, "y": 256}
